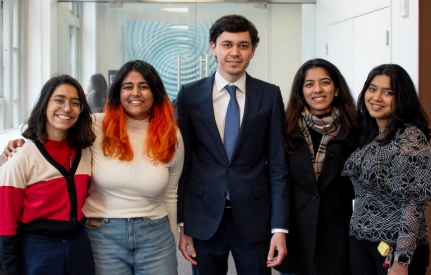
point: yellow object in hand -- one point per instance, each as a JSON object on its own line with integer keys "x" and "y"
{"x": 384, "y": 248}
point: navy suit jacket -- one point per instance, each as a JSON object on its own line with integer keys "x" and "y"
{"x": 256, "y": 177}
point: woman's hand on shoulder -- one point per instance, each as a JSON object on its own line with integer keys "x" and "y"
{"x": 10, "y": 148}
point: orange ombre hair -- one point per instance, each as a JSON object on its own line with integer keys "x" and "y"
{"x": 162, "y": 137}
{"x": 115, "y": 140}
{"x": 161, "y": 141}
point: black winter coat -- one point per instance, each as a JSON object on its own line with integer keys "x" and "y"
{"x": 320, "y": 211}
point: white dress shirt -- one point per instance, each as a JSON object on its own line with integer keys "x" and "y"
{"x": 221, "y": 100}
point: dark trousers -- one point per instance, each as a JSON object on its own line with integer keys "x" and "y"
{"x": 212, "y": 255}
{"x": 365, "y": 259}
{"x": 56, "y": 254}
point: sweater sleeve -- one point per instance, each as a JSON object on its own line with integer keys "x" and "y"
{"x": 12, "y": 189}
{"x": 170, "y": 194}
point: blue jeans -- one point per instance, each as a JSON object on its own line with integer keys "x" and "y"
{"x": 56, "y": 254}
{"x": 132, "y": 246}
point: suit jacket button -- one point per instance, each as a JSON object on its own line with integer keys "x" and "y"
{"x": 330, "y": 154}
{"x": 223, "y": 194}
{"x": 324, "y": 177}
{"x": 229, "y": 169}
{"x": 315, "y": 196}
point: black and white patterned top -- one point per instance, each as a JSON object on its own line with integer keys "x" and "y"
{"x": 392, "y": 183}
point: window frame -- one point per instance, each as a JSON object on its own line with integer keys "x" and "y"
{"x": 13, "y": 96}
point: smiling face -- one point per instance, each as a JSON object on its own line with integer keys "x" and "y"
{"x": 380, "y": 100}
{"x": 319, "y": 91}
{"x": 136, "y": 96}
{"x": 234, "y": 52}
{"x": 60, "y": 120}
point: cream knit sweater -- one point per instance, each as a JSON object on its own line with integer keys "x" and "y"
{"x": 138, "y": 188}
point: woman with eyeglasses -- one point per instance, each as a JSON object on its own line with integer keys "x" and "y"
{"x": 43, "y": 189}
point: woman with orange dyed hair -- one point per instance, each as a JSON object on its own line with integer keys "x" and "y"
{"x": 138, "y": 157}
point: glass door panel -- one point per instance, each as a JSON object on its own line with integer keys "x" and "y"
{"x": 173, "y": 37}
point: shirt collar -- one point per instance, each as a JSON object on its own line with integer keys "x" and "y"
{"x": 220, "y": 82}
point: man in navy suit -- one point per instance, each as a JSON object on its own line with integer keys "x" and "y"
{"x": 234, "y": 201}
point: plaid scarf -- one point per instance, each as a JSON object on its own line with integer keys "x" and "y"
{"x": 327, "y": 126}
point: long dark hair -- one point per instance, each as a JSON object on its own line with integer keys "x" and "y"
{"x": 100, "y": 88}
{"x": 408, "y": 110}
{"x": 81, "y": 135}
{"x": 343, "y": 102}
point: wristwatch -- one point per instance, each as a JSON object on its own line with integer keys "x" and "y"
{"x": 404, "y": 260}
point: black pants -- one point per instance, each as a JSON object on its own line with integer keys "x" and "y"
{"x": 365, "y": 259}
{"x": 212, "y": 255}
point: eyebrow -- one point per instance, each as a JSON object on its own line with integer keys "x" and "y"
{"x": 375, "y": 86}
{"x": 312, "y": 80}
{"x": 63, "y": 96}
{"x": 240, "y": 42}
{"x": 143, "y": 82}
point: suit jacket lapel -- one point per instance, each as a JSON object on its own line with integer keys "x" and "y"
{"x": 253, "y": 97}
{"x": 205, "y": 92}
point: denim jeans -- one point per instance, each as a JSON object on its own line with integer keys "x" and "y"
{"x": 133, "y": 246}
{"x": 56, "y": 254}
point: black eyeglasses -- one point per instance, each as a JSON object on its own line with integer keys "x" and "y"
{"x": 76, "y": 106}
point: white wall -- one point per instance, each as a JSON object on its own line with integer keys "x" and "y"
{"x": 308, "y": 32}
{"x": 284, "y": 49}
{"x": 405, "y": 39}
{"x": 404, "y": 35}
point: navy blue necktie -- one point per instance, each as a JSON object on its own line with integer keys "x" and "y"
{"x": 232, "y": 125}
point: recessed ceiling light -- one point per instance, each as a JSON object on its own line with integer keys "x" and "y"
{"x": 176, "y": 9}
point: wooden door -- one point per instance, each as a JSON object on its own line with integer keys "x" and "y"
{"x": 424, "y": 85}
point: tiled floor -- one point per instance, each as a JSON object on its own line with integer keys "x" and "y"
{"x": 184, "y": 267}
